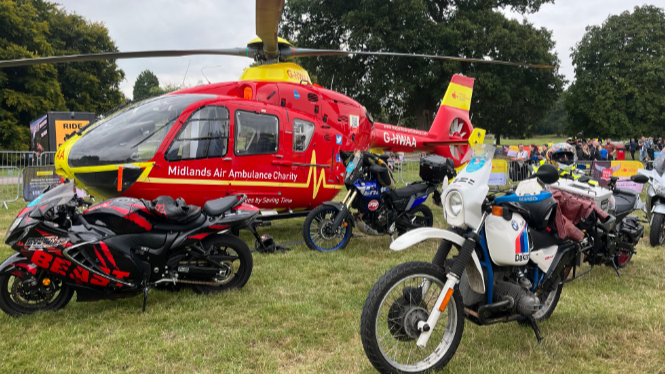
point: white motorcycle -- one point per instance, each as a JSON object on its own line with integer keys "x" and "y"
{"x": 655, "y": 205}
{"x": 508, "y": 268}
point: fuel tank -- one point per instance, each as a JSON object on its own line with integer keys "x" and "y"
{"x": 121, "y": 215}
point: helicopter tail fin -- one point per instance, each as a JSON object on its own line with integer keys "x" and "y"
{"x": 452, "y": 130}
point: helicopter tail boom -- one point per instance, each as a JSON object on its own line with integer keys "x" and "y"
{"x": 450, "y": 133}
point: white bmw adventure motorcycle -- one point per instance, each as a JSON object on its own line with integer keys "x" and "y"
{"x": 508, "y": 268}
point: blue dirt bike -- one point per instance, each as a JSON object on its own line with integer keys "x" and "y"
{"x": 380, "y": 208}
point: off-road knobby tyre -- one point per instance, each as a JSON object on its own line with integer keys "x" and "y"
{"x": 370, "y": 313}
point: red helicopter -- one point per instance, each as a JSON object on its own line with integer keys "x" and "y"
{"x": 273, "y": 134}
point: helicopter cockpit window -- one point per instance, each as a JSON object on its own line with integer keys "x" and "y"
{"x": 302, "y": 134}
{"x": 255, "y": 133}
{"x": 204, "y": 135}
{"x": 132, "y": 135}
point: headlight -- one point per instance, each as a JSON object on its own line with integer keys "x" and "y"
{"x": 454, "y": 202}
{"x": 660, "y": 189}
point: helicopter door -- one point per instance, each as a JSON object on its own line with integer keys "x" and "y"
{"x": 261, "y": 152}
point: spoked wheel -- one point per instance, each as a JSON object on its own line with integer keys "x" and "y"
{"x": 420, "y": 216}
{"x": 236, "y": 260}
{"x": 657, "y": 235}
{"x": 403, "y": 297}
{"x": 549, "y": 301}
{"x": 22, "y": 293}
{"x": 319, "y": 234}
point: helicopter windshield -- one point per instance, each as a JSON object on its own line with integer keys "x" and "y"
{"x": 132, "y": 135}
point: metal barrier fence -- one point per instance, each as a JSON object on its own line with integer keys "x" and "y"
{"x": 408, "y": 171}
{"x": 12, "y": 165}
{"x": 10, "y": 184}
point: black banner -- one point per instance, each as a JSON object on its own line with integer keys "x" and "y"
{"x": 36, "y": 179}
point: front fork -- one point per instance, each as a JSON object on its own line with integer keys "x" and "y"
{"x": 453, "y": 276}
{"x": 346, "y": 207}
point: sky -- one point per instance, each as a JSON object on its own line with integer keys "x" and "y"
{"x": 137, "y": 25}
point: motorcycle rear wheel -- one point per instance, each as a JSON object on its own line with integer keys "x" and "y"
{"x": 388, "y": 325}
{"x": 241, "y": 263}
{"x": 421, "y": 216}
{"x": 17, "y": 298}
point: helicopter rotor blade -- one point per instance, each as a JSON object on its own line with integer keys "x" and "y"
{"x": 245, "y": 52}
{"x": 268, "y": 15}
{"x": 290, "y": 52}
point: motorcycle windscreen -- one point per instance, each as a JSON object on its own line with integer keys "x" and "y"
{"x": 478, "y": 163}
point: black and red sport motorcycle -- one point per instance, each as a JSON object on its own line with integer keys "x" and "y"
{"x": 120, "y": 248}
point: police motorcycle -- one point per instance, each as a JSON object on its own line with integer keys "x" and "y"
{"x": 381, "y": 209}
{"x": 616, "y": 241}
{"x": 655, "y": 205}
{"x": 508, "y": 268}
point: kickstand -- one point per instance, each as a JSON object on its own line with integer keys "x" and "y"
{"x": 146, "y": 288}
{"x": 536, "y": 329}
{"x": 615, "y": 268}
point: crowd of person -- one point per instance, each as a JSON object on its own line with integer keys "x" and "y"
{"x": 594, "y": 150}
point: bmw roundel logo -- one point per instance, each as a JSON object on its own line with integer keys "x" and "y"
{"x": 515, "y": 226}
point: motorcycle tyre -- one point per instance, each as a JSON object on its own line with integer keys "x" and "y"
{"x": 656, "y": 236}
{"x": 373, "y": 304}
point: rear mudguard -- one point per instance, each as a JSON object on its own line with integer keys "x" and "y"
{"x": 338, "y": 206}
{"x": 474, "y": 273}
{"x": 12, "y": 261}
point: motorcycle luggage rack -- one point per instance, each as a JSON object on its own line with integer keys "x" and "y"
{"x": 71, "y": 258}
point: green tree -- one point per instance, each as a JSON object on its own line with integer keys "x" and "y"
{"x": 164, "y": 89}
{"x": 26, "y": 92}
{"x": 145, "y": 82}
{"x": 619, "y": 88}
{"x": 506, "y": 100}
{"x": 37, "y": 28}
{"x": 555, "y": 121}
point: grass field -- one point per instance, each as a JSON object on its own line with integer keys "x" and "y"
{"x": 300, "y": 313}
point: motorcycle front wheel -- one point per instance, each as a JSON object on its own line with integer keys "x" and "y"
{"x": 21, "y": 293}
{"x": 657, "y": 234}
{"x": 395, "y": 305}
{"x": 318, "y": 233}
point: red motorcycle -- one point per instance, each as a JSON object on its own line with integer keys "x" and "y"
{"x": 120, "y": 248}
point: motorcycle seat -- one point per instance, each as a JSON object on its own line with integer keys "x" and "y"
{"x": 173, "y": 211}
{"x": 409, "y": 190}
{"x": 624, "y": 202}
{"x": 219, "y": 206}
{"x": 170, "y": 226}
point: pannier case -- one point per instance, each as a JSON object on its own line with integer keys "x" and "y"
{"x": 434, "y": 168}
{"x": 601, "y": 196}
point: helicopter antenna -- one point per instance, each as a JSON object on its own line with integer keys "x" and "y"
{"x": 331, "y": 82}
{"x": 183, "y": 78}
{"x": 209, "y": 67}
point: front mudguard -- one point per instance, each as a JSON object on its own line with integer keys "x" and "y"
{"x": 656, "y": 209}
{"x": 474, "y": 272}
{"x": 340, "y": 207}
{"x": 11, "y": 262}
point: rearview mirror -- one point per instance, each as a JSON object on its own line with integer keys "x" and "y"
{"x": 641, "y": 179}
{"x": 547, "y": 174}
